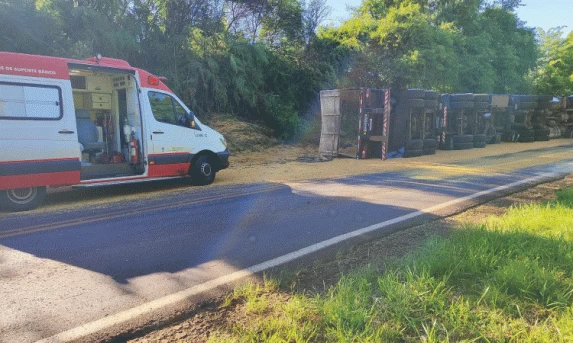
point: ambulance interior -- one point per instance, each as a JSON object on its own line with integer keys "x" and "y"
{"x": 108, "y": 122}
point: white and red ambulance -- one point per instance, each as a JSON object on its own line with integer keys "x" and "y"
{"x": 94, "y": 122}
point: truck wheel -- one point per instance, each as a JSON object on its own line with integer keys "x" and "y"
{"x": 462, "y": 97}
{"x": 413, "y": 153}
{"x": 23, "y": 199}
{"x": 414, "y": 144}
{"x": 463, "y": 146}
{"x": 479, "y": 138}
{"x": 431, "y": 95}
{"x": 431, "y": 104}
{"x": 481, "y": 98}
{"x": 202, "y": 171}
{"x": 462, "y": 105}
{"x": 463, "y": 139}
{"x": 429, "y": 143}
{"x": 429, "y": 151}
{"x": 416, "y": 93}
{"x": 416, "y": 103}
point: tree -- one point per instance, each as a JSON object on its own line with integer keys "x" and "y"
{"x": 554, "y": 73}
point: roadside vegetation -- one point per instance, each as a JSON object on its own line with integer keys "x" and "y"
{"x": 265, "y": 61}
{"x": 508, "y": 278}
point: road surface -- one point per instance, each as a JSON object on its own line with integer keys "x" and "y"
{"x": 99, "y": 264}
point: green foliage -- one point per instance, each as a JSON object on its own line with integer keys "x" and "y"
{"x": 451, "y": 46}
{"x": 266, "y": 61}
{"x": 554, "y": 74}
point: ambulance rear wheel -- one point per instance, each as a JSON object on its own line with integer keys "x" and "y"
{"x": 202, "y": 171}
{"x": 23, "y": 199}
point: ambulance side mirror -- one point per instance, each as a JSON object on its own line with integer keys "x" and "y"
{"x": 191, "y": 119}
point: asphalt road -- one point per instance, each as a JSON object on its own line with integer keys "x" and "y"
{"x": 63, "y": 267}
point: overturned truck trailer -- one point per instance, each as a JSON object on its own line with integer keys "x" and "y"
{"x": 378, "y": 123}
{"x": 354, "y": 123}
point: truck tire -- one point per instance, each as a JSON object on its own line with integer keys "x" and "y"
{"x": 413, "y": 153}
{"x": 416, "y": 103}
{"x": 431, "y": 95}
{"x": 463, "y": 139}
{"x": 429, "y": 151}
{"x": 481, "y": 98}
{"x": 416, "y": 93}
{"x": 526, "y": 139}
{"x": 431, "y": 104}
{"x": 480, "y": 138}
{"x": 429, "y": 143}
{"x": 526, "y": 98}
{"x": 462, "y": 105}
{"x": 526, "y": 133}
{"x": 481, "y": 105}
{"x": 414, "y": 144}
{"x": 202, "y": 171}
{"x": 23, "y": 199}
{"x": 461, "y": 97}
{"x": 526, "y": 105}
{"x": 495, "y": 139}
{"x": 555, "y": 106}
{"x": 510, "y": 136}
{"x": 463, "y": 146}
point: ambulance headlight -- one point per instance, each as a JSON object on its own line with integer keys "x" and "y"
{"x": 223, "y": 141}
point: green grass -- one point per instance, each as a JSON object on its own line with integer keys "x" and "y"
{"x": 509, "y": 279}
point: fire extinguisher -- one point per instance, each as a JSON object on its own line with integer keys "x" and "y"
{"x": 133, "y": 150}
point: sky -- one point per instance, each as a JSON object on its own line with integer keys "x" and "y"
{"x": 536, "y": 13}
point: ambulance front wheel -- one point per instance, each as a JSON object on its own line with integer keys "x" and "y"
{"x": 23, "y": 199}
{"x": 203, "y": 171}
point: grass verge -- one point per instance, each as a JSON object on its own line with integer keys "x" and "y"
{"x": 509, "y": 278}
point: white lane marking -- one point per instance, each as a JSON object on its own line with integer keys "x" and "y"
{"x": 124, "y": 316}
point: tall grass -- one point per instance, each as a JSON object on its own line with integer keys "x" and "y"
{"x": 509, "y": 279}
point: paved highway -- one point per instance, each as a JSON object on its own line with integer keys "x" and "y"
{"x": 71, "y": 265}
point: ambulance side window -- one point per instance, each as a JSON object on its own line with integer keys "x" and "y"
{"x": 167, "y": 109}
{"x": 30, "y": 101}
{"x": 162, "y": 107}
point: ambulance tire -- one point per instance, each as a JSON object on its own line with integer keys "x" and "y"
{"x": 23, "y": 199}
{"x": 202, "y": 171}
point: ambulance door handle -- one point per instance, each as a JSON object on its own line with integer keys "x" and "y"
{"x": 68, "y": 132}
{"x": 158, "y": 132}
